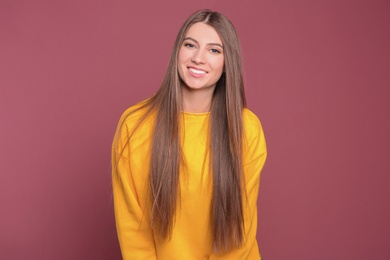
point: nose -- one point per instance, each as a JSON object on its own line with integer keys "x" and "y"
{"x": 198, "y": 57}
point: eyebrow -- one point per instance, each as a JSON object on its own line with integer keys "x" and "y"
{"x": 192, "y": 39}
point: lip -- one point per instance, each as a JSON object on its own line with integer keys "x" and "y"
{"x": 196, "y": 75}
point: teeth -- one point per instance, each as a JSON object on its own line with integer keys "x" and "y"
{"x": 197, "y": 71}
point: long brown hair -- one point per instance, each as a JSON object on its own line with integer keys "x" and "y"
{"x": 225, "y": 138}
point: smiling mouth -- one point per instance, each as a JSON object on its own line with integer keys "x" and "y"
{"x": 197, "y": 72}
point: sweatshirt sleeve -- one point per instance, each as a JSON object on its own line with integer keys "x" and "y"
{"x": 254, "y": 155}
{"x": 134, "y": 234}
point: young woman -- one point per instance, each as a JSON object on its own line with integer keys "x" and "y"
{"x": 186, "y": 162}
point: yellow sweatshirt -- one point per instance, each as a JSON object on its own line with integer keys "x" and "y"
{"x": 191, "y": 237}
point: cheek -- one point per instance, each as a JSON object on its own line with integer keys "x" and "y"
{"x": 180, "y": 66}
{"x": 180, "y": 60}
{"x": 183, "y": 56}
{"x": 219, "y": 65}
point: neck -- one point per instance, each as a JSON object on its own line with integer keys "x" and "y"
{"x": 198, "y": 100}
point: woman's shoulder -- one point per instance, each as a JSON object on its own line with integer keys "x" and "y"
{"x": 250, "y": 119}
{"x": 253, "y": 132}
{"x": 252, "y": 125}
{"x": 132, "y": 115}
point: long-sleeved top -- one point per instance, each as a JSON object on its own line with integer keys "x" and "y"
{"x": 191, "y": 235}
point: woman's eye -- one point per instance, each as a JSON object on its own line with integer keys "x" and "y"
{"x": 215, "y": 51}
{"x": 190, "y": 45}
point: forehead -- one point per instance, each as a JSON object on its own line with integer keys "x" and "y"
{"x": 203, "y": 32}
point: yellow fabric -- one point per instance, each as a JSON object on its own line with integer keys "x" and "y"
{"x": 191, "y": 238}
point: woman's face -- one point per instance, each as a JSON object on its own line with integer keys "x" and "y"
{"x": 201, "y": 58}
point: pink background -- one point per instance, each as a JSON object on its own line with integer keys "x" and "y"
{"x": 317, "y": 75}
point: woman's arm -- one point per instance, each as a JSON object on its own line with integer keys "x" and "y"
{"x": 255, "y": 153}
{"x": 135, "y": 236}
